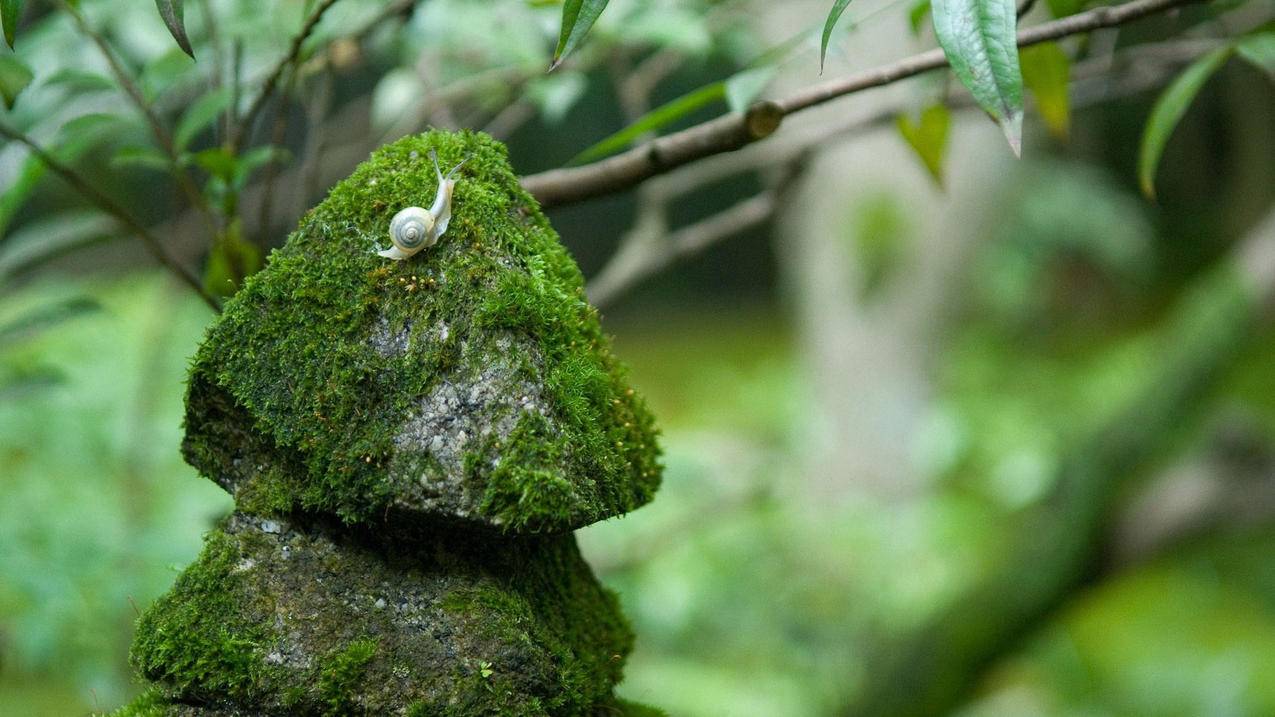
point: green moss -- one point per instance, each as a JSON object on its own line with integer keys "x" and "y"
{"x": 282, "y": 618}
{"x": 197, "y": 639}
{"x": 294, "y": 405}
{"x": 150, "y": 703}
{"x": 340, "y": 675}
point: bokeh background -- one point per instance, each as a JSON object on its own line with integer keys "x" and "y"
{"x": 870, "y": 402}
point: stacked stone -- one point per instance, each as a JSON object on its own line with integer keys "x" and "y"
{"x": 409, "y": 445}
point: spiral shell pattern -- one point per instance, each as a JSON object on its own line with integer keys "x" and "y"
{"x": 412, "y": 229}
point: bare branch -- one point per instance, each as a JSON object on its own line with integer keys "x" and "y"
{"x": 733, "y": 131}
{"x": 108, "y": 205}
{"x": 629, "y": 270}
{"x": 162, "y": 137}
{"x": 272, "y": 80}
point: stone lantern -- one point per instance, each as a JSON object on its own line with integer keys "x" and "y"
{"x": 410, "y": 445}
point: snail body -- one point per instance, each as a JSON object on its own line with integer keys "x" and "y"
{"x": 416, "y": 228}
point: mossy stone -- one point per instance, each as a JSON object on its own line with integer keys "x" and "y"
{"x": 279, "y": 617}
{"x": 470, "y": 381}
{"x": 153, "y": 704}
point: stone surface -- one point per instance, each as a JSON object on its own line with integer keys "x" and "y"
{"x": 278, "y": 617}
{"x": 470, "y": 382}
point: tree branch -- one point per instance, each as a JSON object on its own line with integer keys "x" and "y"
{"x": 272, "y": 80}
{"x": 162, "y": 136}
{"x": 629, "y": 268}
{"x": 733, "y": 131}
{"x": 108, "y": 205}
{"x": 638, "y": 259}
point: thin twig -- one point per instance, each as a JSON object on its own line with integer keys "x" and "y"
{"x": 625, "y": 273}
{"x": 108, "y": 205}
{"x": 730, "y": 132}
{"x": 636, "y": 261}
{"x": 278, "y": 135}
{"x": 218, "y": 78}
{"x": 272, "y": 79}
{"x": 162, "y": 136}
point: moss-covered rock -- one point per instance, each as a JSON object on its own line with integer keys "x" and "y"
{"x": 280, "y": 617}
{"x": 154, "y": 704}
{"x": 469, "y": 381}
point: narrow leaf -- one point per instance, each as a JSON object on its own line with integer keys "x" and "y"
{"x": 1047, "y": 73}
{"x": 14, "y": 77}
{"x": 202, "y": 113}
{"x": 68, "y": 149}
{"x": 917, "y": 15}
{"x": 218, "y": 162}
{"x": 928, "y": 137}
{"x": 141, "y": 157}
{"x": 79, "y": 81}
{"x": 10, "y": 11}
{"x": 231, "y": 260}
{"x": 1258, "y": 49}
{"x": 46, "y": 317}
{"x": 978, "y": 38}
{"x": 838, "y": 7}
{"x": 578, "y": 17}
{"x": 172, "y": 13}
{"x": 41, "y": 240}
{"x": 655, "y": 119}
{"x": 1168, "y": 111}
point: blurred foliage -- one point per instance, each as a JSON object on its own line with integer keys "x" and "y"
{"x": 99, "y": 510}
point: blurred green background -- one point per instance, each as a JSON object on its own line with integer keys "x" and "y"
{"x": 872, "y": 406}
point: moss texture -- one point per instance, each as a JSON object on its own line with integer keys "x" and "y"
{"x": 469, "y": 381}
{"x": 283, "y": 618}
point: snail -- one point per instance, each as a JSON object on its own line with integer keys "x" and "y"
{"x": 416, "y": 228}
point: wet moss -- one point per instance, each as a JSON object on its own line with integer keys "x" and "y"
{"x": 341, "y": 674}
{"x": 301, "y": 394}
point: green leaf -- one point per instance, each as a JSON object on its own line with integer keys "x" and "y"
{"x": 578, "y": 17}
{"x": 1258, "y": 49}
{"x": 46, "y": 317}
{"x": 978, "y": 38}
{"x": 254, "y": 159}
{"x": 917, "y": 15}
{"x": 655, "y": 119}
{"x": 142, "y": 158}
{"x": 14, "y": 77}
{"x": 203, "y": 112}
{"x": 10, "y": 11}
{"x": 41, "y": 240}
{"x": 172, "y": 13}
{"x": 838, "y": 7}
{"x": 928, "y": 137}
{"x": 1168, "y": 111}
{"x": 1065, "y": 8}
{"x": 161, "y": 73}
{"x": 68, "y": 150}
{"x": 218, "y": 162}
{"x": 1047, "y": 73}
{"x": 79, "y": 81}
{"x": 231, "y": 260}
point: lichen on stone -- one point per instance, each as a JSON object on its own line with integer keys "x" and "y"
{"x": 471, "y": 380}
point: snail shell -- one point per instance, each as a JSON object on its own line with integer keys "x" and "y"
{"x": 412, "y": 229}
{"x": 415, "y": 228}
